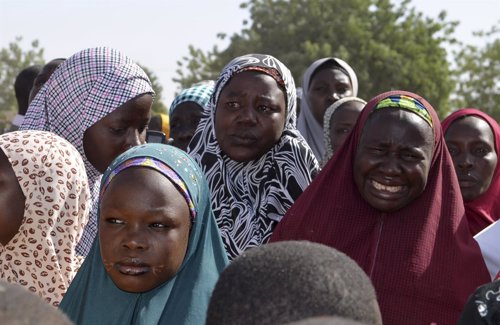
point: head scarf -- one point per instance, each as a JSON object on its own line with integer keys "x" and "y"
{"x": 85, "y": 88}
{"x": 326, "y": 123}
{"x": 310, "y": 129}
{"x": 165, "y": 124}
{"x": 51, "y": 174}
{"x": 485, "y": 209}
{"x": 250, "y": 198}
{"x": 421, "y": 258}
{"x": 93, "y": 298}
{"x": 199, "y": 94}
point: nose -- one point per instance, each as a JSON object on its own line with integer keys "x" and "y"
{"x": 390, "y": 166}
{"x": 464, "y": 162}
{"x": 247, "y": 115}
{"x": 134, "y": 239}
{"x": 185, "y": 134}
{"x": 133, "y": 138}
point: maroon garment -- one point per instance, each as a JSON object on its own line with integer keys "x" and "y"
{"x": 485, "y": 209}
{"x": 421, "y": 259}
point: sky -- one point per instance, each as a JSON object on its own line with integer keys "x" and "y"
{"x": 157, "y": 33}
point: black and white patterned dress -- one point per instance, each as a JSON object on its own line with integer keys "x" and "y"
{"x": 250, "y": 198}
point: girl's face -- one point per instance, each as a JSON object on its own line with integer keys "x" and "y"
{"x": 183, "y": 123}
{"x": 471, "y": 144}
{"x": 342, "y": 121}
{"x": 393, "y": 159}
{"x": 327, "y": 86}
{"x": 117, "y": 132}
{"x": 144, "y": 227}
{"x": 250, "y": 116}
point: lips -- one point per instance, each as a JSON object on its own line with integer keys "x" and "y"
{"x": 243, "y": 139}
{"x": 132, "y": 266}
{"x": 466, "y": 180}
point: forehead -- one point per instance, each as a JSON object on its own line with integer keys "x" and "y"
{"x": 330, "y": 74}
{"x": 187, "y": 109}
{"x": 258, "y": 80}
{"x": 397, "y": 126}
{"x": 470, "y": 127}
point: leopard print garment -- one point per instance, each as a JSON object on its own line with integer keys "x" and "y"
{"x": 52, "y": 176}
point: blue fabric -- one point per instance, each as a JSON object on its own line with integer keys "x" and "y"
{"x": 93, "y": 298}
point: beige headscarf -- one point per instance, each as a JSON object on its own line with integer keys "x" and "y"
{"x": 52, "y": 176}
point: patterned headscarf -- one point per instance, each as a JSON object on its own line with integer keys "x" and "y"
{"x": 326, "y": 123}
{"x": 250, "y": 198}
{"x": 310, "y": 129}
{"x": 51, "y": 174}
{"x": 85, "y": 88}
{"x": 93, "y": 298}
{"x": 199, "y": 94}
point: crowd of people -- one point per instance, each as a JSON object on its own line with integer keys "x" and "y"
{"x": 237, "y": 207}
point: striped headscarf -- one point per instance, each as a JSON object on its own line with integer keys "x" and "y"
{"x": 85, "y": 88}
{"x": 250, "y": 198}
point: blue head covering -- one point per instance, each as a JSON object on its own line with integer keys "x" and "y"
{"x": 93, "y": 298}
{"x": 200, "y": 94}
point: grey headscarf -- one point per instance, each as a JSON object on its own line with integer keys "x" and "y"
{"x": 310, "y": 129}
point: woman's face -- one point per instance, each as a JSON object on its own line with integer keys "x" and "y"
{"x": 144, "y": 226}
{"x": 117, "y": 132}
{"x": 11, "y": 201}
{"x": 471, "y": 144}
{"x": 183, "y": 123}
{"x": 393, "y": 159}
{"x": 326, "y": 87}
{"x": 250, "y": 116}
{"x": 342, "y": 121}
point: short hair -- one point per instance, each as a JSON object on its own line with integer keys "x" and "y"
{"x": 289, "y": 281}
{"x": 18, "y": 306}
{"x": 333, "y": 320}
{"x": 23, "y": 85}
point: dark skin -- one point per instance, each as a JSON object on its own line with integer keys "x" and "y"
{"x": 12, "y": 201}
{"x": 393, "y": 159}
{"x": 183, "y": 123}
{"x": 250, "y": 116}
{"x": 144, "y": 226}
{"x": 117, "y": 132}
{"x": 342, "y": 121}
{"x": 326, "y": 87}
{"x": 471, "y": 144}
{"x": 43, "y": 76}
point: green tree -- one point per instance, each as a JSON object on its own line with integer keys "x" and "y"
{"x": 478, "y": 74}
{"x": 12, "y": 60}
{"x": 158, "y": 105}
{"x": 389, "y": 46}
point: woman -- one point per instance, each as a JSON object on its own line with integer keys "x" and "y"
{"x": 100, "y": 101}
{"x": 473, "y": 140}
{"x": 44, "y": 204}
{"x": 397, "y": 211}
{"x": 325, "y": 81}
{"x": 186, "y": 111}
{"x": 159, "y": 251}
{"x": 338, "y": 122}
{"x": 255, "y": 160}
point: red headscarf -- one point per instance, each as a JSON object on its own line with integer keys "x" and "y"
{"x": 485, "y": 209}
{"x": 422, "y": 258}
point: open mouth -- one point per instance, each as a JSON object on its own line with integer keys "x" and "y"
{"x": 387, "y": 191}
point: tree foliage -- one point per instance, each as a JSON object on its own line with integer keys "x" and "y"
{"x": 478, "y": 75}
{"x": 12, "y": 60}
{"x": 158, "y": 105}
{"x": 389, "y": 46}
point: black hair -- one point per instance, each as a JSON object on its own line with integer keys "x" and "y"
{"x": 289, "y": 281}
{"x": 23, "y": 85}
